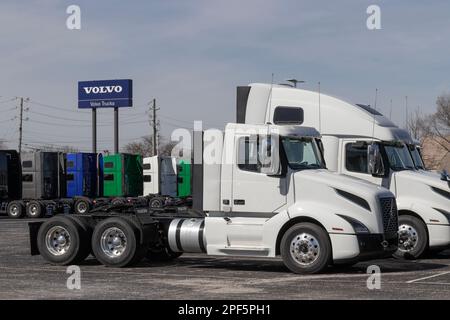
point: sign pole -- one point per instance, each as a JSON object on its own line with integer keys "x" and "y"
{"x": 94, "y": 130}
{"x": 116, "y": 130}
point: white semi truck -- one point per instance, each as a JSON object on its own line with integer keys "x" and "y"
{"x": 360, "y": 142}
{"x": 267, "y": 194}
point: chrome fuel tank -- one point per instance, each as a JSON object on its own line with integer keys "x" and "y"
{"x": 187, "y": 235}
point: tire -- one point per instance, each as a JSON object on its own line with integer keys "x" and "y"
{"x": 117, "y": 201}
{"x": 123, "y": 249}
{"x": 413, "y": 238}
{"x": 162, "y": 254}
{"x": 156, "y": 203}
{"x": 34, "y": 209}
{"x": 15, "y": 209}
{"x": 81, "y": 206}
{"x": 310, "y": 237}
{"x": 52, "y": 241}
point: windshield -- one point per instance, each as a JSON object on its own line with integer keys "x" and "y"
{"x": 301, "y": 153}
{"x": 399, "y": 157}
{"x": 417, "y": 157}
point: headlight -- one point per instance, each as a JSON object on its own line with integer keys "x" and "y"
{"x": 358, "y": 226}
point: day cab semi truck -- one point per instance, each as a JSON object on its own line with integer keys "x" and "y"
{"x": 258, "y": 190}
{"x": 360, "y": 142}
{"x": 40, "y": 183}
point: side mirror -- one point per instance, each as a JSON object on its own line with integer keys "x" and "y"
{"x": 445, "y": 176}
{"x": 376, "y": 167}
{"x": 269, "y": 155}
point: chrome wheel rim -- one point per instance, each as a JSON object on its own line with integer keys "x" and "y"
{"x": 82, "y": 207}
{"x": 14, "y": 210}
{"x": 305, "y": 249}
{"x": 33, "y": 209}
{"x": 113, "y": 242}
{"x": 407, "y": 238}
{"x": 57, "y": 240}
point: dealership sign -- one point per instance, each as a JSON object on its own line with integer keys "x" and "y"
{"x": 105, "y": 93}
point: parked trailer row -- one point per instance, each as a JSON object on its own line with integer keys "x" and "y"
{"x": 36, "y": 184}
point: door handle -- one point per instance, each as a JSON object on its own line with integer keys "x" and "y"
{"x": 239, "y": 202}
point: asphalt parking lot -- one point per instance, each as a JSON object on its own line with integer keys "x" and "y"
{"x": 201, "y": 277}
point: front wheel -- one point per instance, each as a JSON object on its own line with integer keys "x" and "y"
{"x": 15, "y": 209}
{"x": 412, "y": 238}
{"x": 305, "y": 248}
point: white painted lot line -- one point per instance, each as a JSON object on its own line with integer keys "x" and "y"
{"x": 429, "y": 277}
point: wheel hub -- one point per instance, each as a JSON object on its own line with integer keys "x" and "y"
{"x": 305, "y": 249}
{"x": 14, "y": 210}
{"x": 113, "y": 242}
{"x": 407, "y": 237}
{"x": 33, "y": 209}
{"x": 57, "y": 240}
{"x": 82, "y": 208}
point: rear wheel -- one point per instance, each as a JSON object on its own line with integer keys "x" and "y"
{"x": 115, "y": 243}
{"x": 117, "y": 201}
{"x": 156, "y": 202}
{"x": 63, "y": 241}
{"x": 412, "y": 238}
{"x": 305, "y": 248}
{"x": 15, "y": 210}
{"x": 81, "y": 206}
{"x": 34, "y": 209}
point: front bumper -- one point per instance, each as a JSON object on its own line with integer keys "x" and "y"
{"x": 439, "y": 236}
{"x": 369, "y": 246}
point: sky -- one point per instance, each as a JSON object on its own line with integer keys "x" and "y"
{"x": 190, "y": 55}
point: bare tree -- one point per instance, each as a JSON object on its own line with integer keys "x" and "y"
{"x": 440, "y": 121}
{"x": 419, "y": 125}
{"x": 144, "y": 147}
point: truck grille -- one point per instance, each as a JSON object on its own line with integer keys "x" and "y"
{"x": 390, "y": 217}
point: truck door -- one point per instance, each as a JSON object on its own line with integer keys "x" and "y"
{"x": 253, "y": 191}
{"x": 354, "y": 161}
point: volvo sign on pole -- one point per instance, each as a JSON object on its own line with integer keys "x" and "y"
{"x": 105, "y": 94}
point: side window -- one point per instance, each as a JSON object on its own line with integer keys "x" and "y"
{"x": 147, "y": 166}
{"x": 70, "y": 177}
{"x": 147, "y": 178}
{"x": 27, "y": 164}
{"x": 288, "y": 115}
{"x": 70, "y": 164}
{"x": 356, "y": 158}
{"x": 248, "y": 154}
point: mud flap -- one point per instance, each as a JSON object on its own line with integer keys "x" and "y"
{"x": 33, "y": 228}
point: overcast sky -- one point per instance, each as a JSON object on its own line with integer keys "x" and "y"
{"x": 190, "y": 56}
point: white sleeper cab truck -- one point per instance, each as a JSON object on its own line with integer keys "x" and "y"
{"x": 359, "y": 141}
{"x": 258, "y": 191}
{"x": 160, "y": 179}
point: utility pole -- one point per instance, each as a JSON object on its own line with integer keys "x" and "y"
{"x": 406, "y": 116}
{"x": 20, "y": 123}
{"x": 154, "y": 125}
